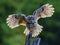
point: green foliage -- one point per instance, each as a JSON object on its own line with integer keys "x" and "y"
{"x": 15, "y": 36}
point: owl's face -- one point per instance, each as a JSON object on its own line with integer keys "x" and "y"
{"x": 31, "y": 19}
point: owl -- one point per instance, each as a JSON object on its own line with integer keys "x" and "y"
{"x": 31, "y": 21}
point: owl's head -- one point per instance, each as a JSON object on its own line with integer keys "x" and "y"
{"x": 31, "y": 19}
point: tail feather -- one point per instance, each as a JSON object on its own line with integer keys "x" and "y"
{"x": 26, "y": 31}
{"x": 36, "y": 30}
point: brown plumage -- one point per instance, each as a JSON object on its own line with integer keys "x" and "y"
{"x": 31, "y": 21}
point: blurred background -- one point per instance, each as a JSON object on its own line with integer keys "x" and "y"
{"x": 51, "y": 31}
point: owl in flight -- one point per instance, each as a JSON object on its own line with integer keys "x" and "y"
{"x": 31, "y": 21}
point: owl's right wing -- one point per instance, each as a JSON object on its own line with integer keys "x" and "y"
{"x": 15, "y": 20}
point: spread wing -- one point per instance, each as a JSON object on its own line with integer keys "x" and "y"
{"x": 15, "y": 20}
{"x": 44, "y": 11}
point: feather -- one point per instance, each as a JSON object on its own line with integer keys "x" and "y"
{"x": 36, "y": 30}
{"x": 15, "y": 20}
{"x": 44, "y": 11}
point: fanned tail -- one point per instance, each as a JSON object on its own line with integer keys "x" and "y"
{"x": 36, "y": 30}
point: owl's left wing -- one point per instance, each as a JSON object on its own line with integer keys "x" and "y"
{"x": 15, "y": 20}
{"x": 44, "y": 11}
